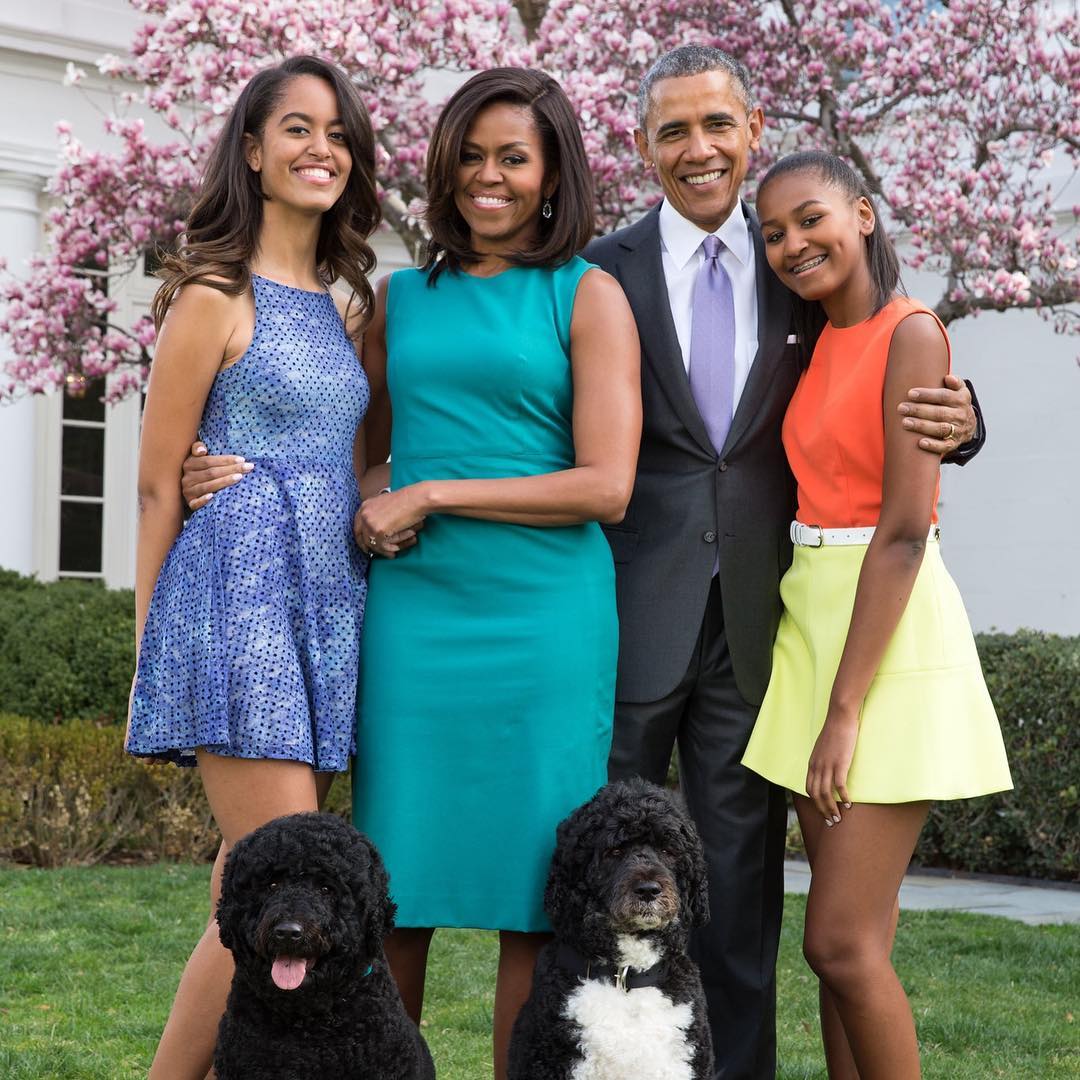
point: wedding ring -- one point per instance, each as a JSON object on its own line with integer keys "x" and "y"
{"x": 952, "y": 432}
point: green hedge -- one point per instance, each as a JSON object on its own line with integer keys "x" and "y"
{"x": 67, "y": 649}
{"x": 1033, "y": 830}
{"x": 66, "y": 653}
{"x": 70, "y": 796}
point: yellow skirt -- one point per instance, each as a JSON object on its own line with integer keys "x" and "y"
{"x": 927, "y": 729}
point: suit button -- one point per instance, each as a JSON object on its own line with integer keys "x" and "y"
{"x": 709, "y": 536}
{"x": 722, "y": 466}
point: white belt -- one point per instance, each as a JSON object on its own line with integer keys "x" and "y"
{"x": 815, "y": 536}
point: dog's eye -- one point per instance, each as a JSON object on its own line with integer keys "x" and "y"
{"x": 273, "y": 885}
{"x": 613, "y": 853}
{"x": 325, "y": 889}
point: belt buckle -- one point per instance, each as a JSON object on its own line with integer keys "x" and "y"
{"x": 798, "y": 532}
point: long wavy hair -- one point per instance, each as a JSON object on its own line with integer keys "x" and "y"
{"x": 571, "y": 225}
{"x": 809, "y": 315}
{"x": 221, "y": 235}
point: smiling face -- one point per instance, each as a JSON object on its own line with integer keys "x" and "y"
{"x": 500, "y": 182}
{"x": 302, "y": 155}
{"x": 815, "y": 236}
{"x": 699, "y": 137}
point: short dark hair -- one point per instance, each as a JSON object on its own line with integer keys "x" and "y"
{"x": 880, "y": 253}
{"x": 693, "y": 60}
{"x": 572, "y": 223}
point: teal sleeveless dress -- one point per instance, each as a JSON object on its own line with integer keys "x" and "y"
{"x": 487, "y": 673}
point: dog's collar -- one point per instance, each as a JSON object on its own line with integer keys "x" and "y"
{"x": 623, "y": 975}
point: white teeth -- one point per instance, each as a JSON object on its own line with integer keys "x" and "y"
{"x": 314, "y": 171}
{"x": 808, "y": 265}
{"x": 490, "y": 200}
{"x": 704, "y": 178}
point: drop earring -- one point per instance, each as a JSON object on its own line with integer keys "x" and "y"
{"x": 545, "y": 211}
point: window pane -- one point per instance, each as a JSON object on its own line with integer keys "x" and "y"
{"x": 83, "y": 402}
{"x": 83, "y": 465}
{"x": 80, "y": 537}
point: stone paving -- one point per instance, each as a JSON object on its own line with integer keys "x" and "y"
{"x": 1030, "y": 904}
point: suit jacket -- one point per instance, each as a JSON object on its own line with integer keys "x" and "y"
{"x": 692, "y": 506}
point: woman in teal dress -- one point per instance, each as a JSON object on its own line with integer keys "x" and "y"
{"x": 511, "y": 370}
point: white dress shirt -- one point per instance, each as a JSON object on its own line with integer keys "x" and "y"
{"x": 680, "y": 246}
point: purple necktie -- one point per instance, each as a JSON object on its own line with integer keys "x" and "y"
{"x": 712, "y": 344}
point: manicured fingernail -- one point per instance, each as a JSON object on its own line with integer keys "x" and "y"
{"x": 210, "y": 496}
{"x": 905, "y": 409}
{"x": 847, "y": 806}
{"x": 913, "y": 394}
{"x": 836, "y": 819}
{"x": 909, "y": 424}
{"x": 828, "y": 822}
{"x": 247, "y": 467}
{"x": 237, "y": 476}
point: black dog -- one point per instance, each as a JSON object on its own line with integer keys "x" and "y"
{"x": 304, "y": 909}
{"x": 615, "y": 997}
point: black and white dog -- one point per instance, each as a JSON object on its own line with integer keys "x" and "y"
{"x": 304, "y": 909}
{"x": 615, "y": 996}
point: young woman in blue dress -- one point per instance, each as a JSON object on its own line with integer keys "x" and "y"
{"x": 248, "y": 617}
{"x": 506, "y": 391}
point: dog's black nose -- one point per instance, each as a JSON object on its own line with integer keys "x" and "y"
{"x": 287, "y": 933}
{"x": 648, "y": 890}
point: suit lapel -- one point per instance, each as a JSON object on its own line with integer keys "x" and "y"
{"x": 774, "y": 322}
{"x": 641, "y": 273}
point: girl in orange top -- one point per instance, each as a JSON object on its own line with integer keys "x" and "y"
{"x": 877, "y": 703}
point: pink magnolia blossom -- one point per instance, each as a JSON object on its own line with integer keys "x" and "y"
{"x": 961, "y": 118}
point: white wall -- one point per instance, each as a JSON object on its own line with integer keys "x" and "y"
{"x": 37, "y": 41}
{"x": 1011, "y": 518}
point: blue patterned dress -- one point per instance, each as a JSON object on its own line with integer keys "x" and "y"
{"x": 251, "y": 642}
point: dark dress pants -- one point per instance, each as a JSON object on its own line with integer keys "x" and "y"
{"x": 742, "y": 821}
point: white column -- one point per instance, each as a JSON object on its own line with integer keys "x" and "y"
{"x": 20, "y": 231}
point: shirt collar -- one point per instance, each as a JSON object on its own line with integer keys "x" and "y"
{"x": 681, "y": 238}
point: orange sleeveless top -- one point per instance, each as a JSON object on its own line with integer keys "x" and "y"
{"x": 834, "y": 429}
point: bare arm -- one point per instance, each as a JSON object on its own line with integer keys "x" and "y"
{"x": 918, "y": 356}
{"x": 191, "y": 348}
{"x": 378, "y": 421}
{"x": 605, "y": 359}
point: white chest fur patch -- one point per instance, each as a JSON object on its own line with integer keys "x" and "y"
{"x": 625, "y": 1036}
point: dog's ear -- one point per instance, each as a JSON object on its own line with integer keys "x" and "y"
{"x": 226, "y": 920}
{"x": 227, "y": 912}
{"x": 565, "y": 897}
{"x": 695, "y": 880}
{"x": 383, "y": 909}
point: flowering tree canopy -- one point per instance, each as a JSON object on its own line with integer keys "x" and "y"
{"x": 959, "y": 116}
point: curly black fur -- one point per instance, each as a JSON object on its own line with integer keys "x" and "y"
{"x": 628, "y": 862}
{"x": 310, "y": 887}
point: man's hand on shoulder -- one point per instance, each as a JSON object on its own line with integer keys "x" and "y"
{"x": 944, "y": 417}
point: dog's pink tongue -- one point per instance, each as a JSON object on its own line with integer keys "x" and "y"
{"x": 288, "y": 972}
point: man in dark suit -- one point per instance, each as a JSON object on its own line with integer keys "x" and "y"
{"x": 705, "y": 540}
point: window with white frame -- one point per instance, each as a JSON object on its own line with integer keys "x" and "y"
{"x": 82, "y": 478}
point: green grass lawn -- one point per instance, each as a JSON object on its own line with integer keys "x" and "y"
{"x": 89, "y": 960}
